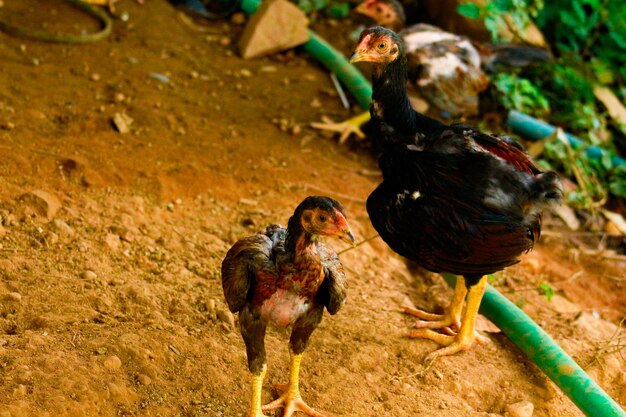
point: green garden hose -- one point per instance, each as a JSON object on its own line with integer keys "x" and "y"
{"x": 513, "y": 322}
{"x": 535, "y": 129}
{"x": 101, "y": 15}
{"x": 547, "y": 355}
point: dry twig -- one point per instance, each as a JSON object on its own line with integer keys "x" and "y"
{"x": 612, "y": 345}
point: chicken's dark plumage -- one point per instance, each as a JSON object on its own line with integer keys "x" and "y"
{"x": 453, "y": 199}
{"x": 286, "y": 277}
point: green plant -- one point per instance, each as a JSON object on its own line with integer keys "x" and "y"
{"x": 520, "y": 94}
{"x": 546, "y": 290}
{"x": 588, "y": 39}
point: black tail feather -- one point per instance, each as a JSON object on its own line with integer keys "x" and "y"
{"x": 512, "y": 55}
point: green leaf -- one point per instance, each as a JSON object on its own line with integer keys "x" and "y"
{"x": 546, "y": 290}
{"x": 469, "y": 10}
{"x": 339, "y": 10}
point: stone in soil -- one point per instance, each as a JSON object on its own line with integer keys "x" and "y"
{"x": 44, "y": 203}
{"x": 276, "y": 26}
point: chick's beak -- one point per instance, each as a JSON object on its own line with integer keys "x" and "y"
{"x": 347, "y": 236}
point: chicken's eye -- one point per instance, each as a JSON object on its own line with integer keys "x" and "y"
{"x": 379, "y": 9}
{"x": 322, "y": 218}
{"x": 381, "y": 46}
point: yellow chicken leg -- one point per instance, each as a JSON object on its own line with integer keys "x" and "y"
{"x": 452, "y": 316}
{"x": 467, "y": 335}
{"x": 290, "y": 398}
{"x": 257, "y": 386}
{"x": 346, "y": 128}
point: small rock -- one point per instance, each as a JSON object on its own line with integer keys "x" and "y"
{"x": 14, "y": 296}
{"x": 161, "y": 77}
{"x": 144, "y": 379}
{"x": 21, "y": 390}
{"x": 246, "y": 73}
{"x": 568, "y": 215}
{"x": 95, "y": 77}
{"x": 226, "y": 317}
{"x": 7, "y": 125}
{"x": 112, "y": 363}
{"x": 52, "y": 238}
{"x": 3, "y": 231}
{"x": 44, "y": 203}
{"x": 268, "y": 68}
{"x": 89, "y": 275}
{"x": 63, "y": 227}
{"x": 112, "y": 241}
{"x": 248, "y": 202}
{"x": 224, "y": 41}
{"x": 276, "y": 26}
{"x": 520, "y": 409}
{"x": 616, "y": 224}
{"x": 122, "y": 122}
{"x": 8, "y": 219}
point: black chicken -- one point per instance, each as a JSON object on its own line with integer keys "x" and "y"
{"x": 453, "y": 199}
{"x": 286, "y": 277}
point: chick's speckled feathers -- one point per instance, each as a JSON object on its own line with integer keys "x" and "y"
{"x": 286, "y": 277}
{"x": 257, "y": 255}
{"x": 266, "y": 255}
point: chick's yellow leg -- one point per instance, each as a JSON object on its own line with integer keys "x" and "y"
{"x": 290, "y": 398}
{"x": 452, "y": 316}
{"x": 257, "y": 386}
{"x": 345, "y": 128}
{"x": 467, "y": 335}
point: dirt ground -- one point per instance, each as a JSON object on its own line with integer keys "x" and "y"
{"x": 110, "y": 243}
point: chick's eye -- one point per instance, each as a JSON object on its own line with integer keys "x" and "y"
{"x": 381, "y": 45}
{"x": 322, "y": 218}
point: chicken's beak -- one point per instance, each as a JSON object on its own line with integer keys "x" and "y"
{"x": 357, "y": 56}
{"x": 363, "y": 9}
{"x": 347, "y": 236}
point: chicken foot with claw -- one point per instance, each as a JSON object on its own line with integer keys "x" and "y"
{"x": 467, "y": 335}
{"x": 346, "y": 128}
{"x": 290, "y": 397}
{"x": 452, "y": 316}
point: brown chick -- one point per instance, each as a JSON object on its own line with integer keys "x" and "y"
{"x": 286, "y": 277}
